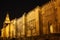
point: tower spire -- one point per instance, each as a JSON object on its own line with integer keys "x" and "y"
{"x": 7, "y": 19}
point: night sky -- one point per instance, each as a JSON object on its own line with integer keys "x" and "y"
{"x": 17, "y": 8}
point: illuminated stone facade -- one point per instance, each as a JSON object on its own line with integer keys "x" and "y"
{"x": 13, "y": 28}
{"x": 57, "y": 6}
{"x": 21, "y": 26}
{"x": 49, "y": 18}
{"x": 32, "y": 22}
{"x": 40, "y": 20}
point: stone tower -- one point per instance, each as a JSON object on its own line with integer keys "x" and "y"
{"x": 6, "y": 22}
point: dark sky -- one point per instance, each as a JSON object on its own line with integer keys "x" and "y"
{"x": 17, "y": 8}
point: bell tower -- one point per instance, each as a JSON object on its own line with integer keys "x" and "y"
{"x": 6, "y": 22}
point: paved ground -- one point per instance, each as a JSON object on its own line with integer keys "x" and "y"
{"x": 52, "y": 38}
{"x": 45, "y": 37}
